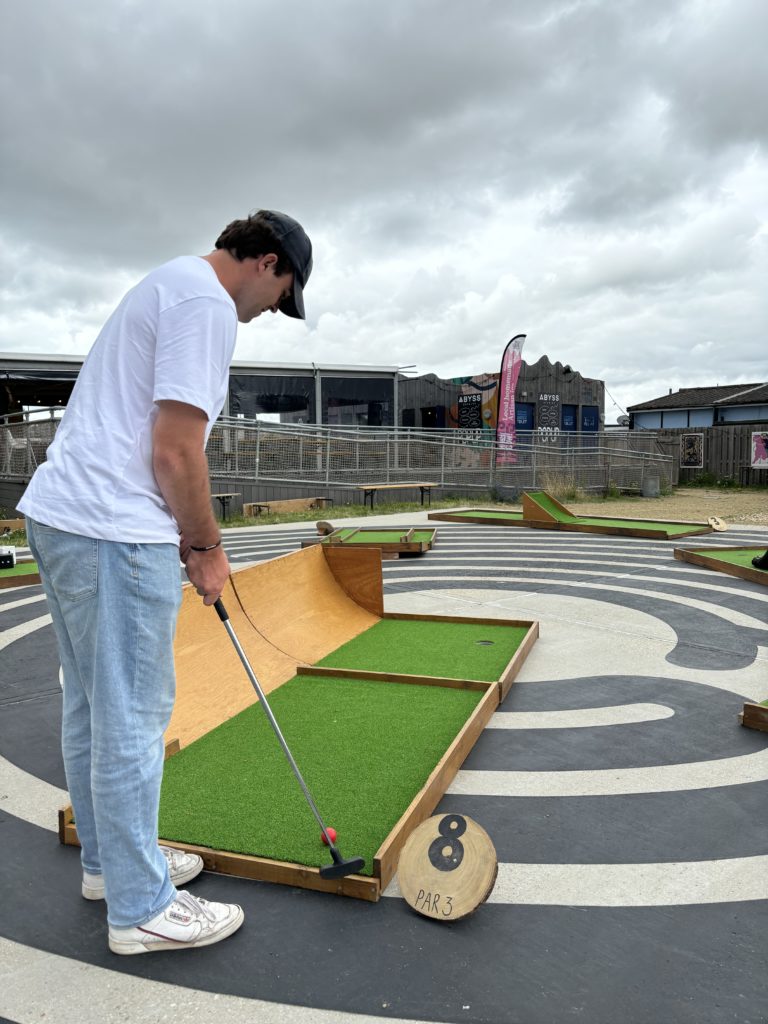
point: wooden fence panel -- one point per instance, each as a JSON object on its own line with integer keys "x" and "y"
{"x": 727, "y": 452}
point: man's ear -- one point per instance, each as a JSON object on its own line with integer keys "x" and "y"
{"x": 268, "y": 261}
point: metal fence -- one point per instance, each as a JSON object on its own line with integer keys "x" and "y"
{"x": 458, "y": 460}
{"x": 463, "y": 461}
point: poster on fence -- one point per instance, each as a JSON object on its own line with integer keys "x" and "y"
{"x": 691, "y": 451}
{"x": 759, "y": 450}
{"x": 505, "y": 421}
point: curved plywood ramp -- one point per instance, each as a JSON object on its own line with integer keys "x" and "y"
{"x": 287, "y": 612}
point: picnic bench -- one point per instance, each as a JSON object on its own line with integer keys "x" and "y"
{"x": 255, "y": 508}
{"x": 224, "y": 500}
{"x": 370, "y": 490}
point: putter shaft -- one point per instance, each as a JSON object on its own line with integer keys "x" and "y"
{"x": 339, "y": 866}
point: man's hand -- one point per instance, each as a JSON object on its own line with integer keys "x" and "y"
{"x": 208, "y": 572}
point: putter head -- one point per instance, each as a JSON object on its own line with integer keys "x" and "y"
{"x": 341, "y": 867}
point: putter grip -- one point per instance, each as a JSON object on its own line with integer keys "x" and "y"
{"x": 221, "y": 611}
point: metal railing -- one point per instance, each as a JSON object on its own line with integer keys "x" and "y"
{"x": 257, "y": 451}
{"x": 338, "y": 456}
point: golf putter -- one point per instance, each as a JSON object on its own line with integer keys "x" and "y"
{"x": 340, "y": 867}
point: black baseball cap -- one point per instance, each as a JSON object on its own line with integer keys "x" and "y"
{"x": 298, "y": 248}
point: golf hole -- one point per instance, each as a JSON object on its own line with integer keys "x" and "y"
{"x": 485, "y": 643}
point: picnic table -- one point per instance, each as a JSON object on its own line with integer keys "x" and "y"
{"x": 370, "y": 490}
{"x": 224, "y": 500}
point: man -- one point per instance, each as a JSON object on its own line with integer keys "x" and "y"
{"x": 123, "y": 494}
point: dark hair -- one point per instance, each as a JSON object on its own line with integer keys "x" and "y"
{"x": 251, "y": 238}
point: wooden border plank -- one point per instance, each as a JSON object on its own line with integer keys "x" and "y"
{"x": 755, "y": 716}
{"x": 25, "y": 580}
{"x": 707, "y": 561}
{"x": 517, "y": 661}
{"x": 473, "y": 620}
{"x": 262, "y": 869}
{"x": 393, "y": 677}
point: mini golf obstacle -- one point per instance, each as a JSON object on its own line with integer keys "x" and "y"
{"x": 755, "y": 716}
{"x": 542, "y": 511}
{"x": 380, "y": 711}
{"x": 15, "y": 573}
{"x": 391, "y": 541}
{"x": 733, "y": 561}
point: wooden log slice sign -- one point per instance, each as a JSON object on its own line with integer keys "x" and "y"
{"x": 448, "y": 867}
{"x": 717, "y": 524}
{"x": 324, "y": 528}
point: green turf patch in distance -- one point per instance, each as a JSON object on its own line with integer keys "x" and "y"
{"x": 365, "y": 749}
{"x": 384, "y": 536}
{"x": 743, "y": 557}
{"x": 678, "y": 529}
{"x": 20, "y": 569}
{"x": 545, "y": 501}
{"x": 455, "y": 650}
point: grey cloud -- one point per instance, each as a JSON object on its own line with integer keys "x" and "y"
{"x": 432, "y": 148}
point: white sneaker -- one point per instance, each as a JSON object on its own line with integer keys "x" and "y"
{"x": 188, "y": 922}
{"x": 182, "y": 867}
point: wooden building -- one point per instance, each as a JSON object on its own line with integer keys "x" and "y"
{"x": 548, "y": 397}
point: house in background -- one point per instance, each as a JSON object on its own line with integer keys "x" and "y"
{"x": 713, "y": 429}
{"x": 702, "y": 407}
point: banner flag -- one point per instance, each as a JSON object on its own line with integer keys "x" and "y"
{"x": 505, "y": 420}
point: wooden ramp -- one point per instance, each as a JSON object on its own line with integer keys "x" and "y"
{"x": 300, "y": 607}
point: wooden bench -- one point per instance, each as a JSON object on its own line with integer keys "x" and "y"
{"x": 10, "y": 525}
{"x": 370, "y": 490}
{"x": 255, "y": 508}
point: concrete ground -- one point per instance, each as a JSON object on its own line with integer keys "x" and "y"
{"x": 626, "y": 804}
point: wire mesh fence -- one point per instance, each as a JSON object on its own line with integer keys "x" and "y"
{"x": 448, "y": 458}
{"x": 257, "y": 451}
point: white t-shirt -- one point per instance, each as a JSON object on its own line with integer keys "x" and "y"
{"x": 171, "y": 337}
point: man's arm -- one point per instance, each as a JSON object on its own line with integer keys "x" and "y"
{"x": 181, "y": 471}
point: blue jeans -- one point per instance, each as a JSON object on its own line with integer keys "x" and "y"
{"x": 114, "y": 609}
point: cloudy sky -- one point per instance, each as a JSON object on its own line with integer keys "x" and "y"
{"x": 591, "y": 173}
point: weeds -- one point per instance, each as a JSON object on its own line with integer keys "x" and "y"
{"x": 562, "y": 486}
{"x": 707, "y": 479}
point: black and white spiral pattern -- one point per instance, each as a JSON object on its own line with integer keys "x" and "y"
{"x": 626, "y": 804}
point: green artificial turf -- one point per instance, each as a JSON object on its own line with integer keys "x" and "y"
{"x": 364, "y": 748}
{"x": 544, "y": 500}
{"x": 456, "y": 650}
{"x": 384, "y": 536}
{"x": 743, "y": 557}
{"x": 20, "y": 569}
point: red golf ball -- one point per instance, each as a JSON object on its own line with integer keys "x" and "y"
{"x": 331, "y": 832}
